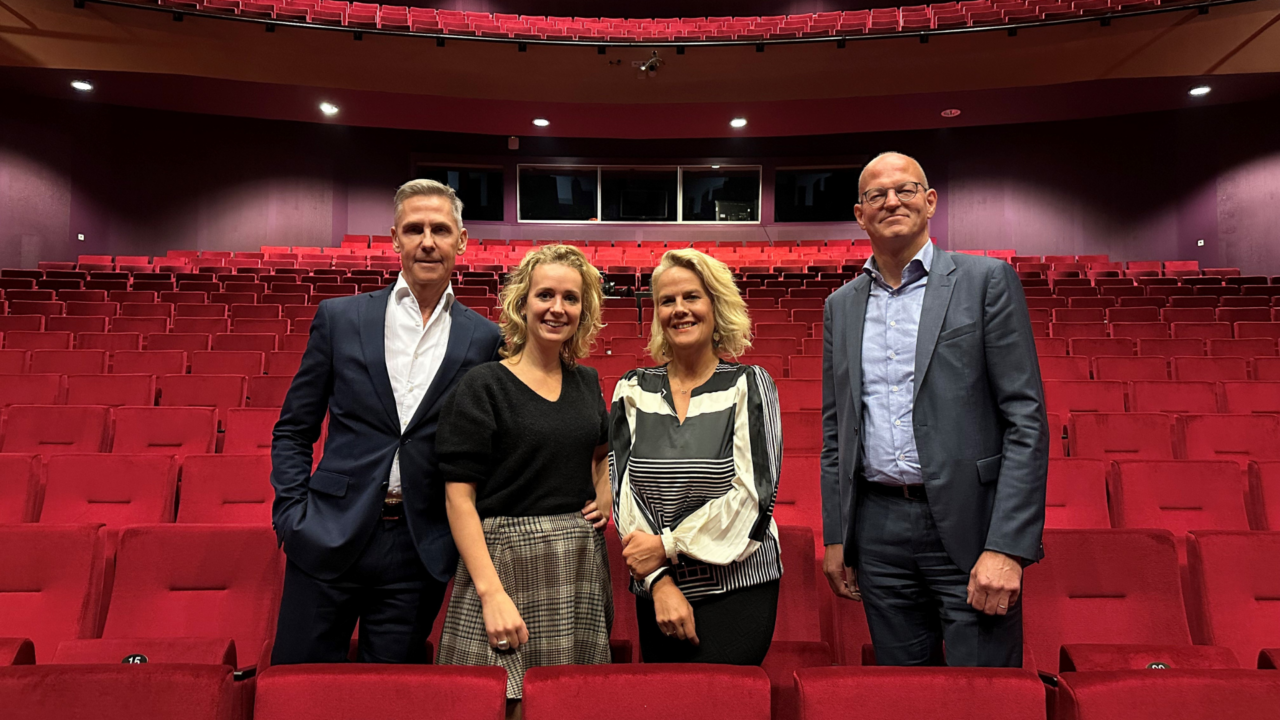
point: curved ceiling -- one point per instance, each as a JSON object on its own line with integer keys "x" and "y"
{"x": 144, "y": 58}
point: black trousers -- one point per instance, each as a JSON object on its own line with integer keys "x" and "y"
{"x": 733, "y": 628}
{"x": 914, "y": 595}
{"x": 387, "y": 590}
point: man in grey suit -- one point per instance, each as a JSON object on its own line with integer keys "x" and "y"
{"x": 935, "y": 441}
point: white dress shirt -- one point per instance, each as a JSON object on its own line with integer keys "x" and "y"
{"x": 414, "y": 353}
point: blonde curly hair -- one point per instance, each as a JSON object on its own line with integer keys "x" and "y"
{"x": 733, "y": 322}
{"x": 515, "y": 295}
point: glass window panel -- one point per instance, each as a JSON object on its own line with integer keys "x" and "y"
{"x": 722, "y": 195}
{"x": 638, "y": 194}
{"x": 480, "y": 189}
{"x": 815, "y": 194}
{"x": 558, "y": 193}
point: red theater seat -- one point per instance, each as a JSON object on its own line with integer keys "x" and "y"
{"x": 50, "y": 582}
{"x": 218, "y": 391}
{"x": 56, "y": 429}
{"x": 179, "y": 431}
{"x": 1172, "y": 347}
{"x": 256, "y": 342}
{"x": 612, "y": 365}
{"x": 1173, "y": 397}
{"x": 687, "y": 691}
{"x": 806, "y": 367}
{"x": 31, "y": 340}
{"x": 1103, "y": 586}
{"x": 111, "y": 390}
{"x": 1250, "y": 397}
{"x": 796, "y": 395}
{"x": 227, "y": 362}
{"x": 1130, "y": 368}
{"x": 69, "y": 362}
{"x": 186, "y": 342}
{"x": 1182, "y": 694}
{"x": 120, "y": 692}
{"x": 1233, "y": 591}
{"x": 174, "y": 582}
{"x": 149, "y": 362}
{"x": 13, "y": 362}
{"x": 1064, "y": 367}
{"x": 802, "y": 432}
{"x": 1095, "y": 346}
{"x": 249, "y": 430}
{"x": 292, "y": 692}
{"x": 1229, "y": 437}
{"x": 1121, "y": 436}
{"x": 111, "y": 342}
{"x": 1266, "y": 368}
{"x": 226, "y": 490}
{"x": 1083, "y": 396}
{"x": 20, "y": 485}
{"x": 1077, "y": 494}
{"x": 1210, "y": 369}
{"x": 31, "y": 390}
{"x": 267, "y": 391}
{"x": 1264, "y": 491}
{"x": 112, "y": 489}
{"x": 283, "y": 362}
{"x": 892, "y": 693}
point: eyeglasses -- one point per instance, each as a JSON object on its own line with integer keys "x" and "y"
{"x": 906, "y": 192}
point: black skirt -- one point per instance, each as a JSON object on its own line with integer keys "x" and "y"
{"x": 733, "y": 628}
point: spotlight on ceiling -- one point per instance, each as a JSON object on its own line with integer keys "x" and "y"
{"x": 328, "y": 109}
{"x": 951, "y": 112}
{"x": 82, "y": 85}
{"x": 1200, "y": 91}
{"x": 738, "y": 123}
{"x": 541, "y": 122}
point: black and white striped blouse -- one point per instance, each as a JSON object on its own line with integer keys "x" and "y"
{"x": 707, "y": 485}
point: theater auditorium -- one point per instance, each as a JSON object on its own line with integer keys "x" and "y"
{"x": 184, "y": 183}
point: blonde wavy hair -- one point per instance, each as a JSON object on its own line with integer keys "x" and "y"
{"x": 733, "y": 323}
{"x": 515, "y": 295}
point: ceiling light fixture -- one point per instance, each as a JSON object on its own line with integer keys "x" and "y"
{"x": 738, "y": 123}
{"x": 82, "y": 85}
{"x": 951, "y": 112}
{"x": 1200, "y": 91}
{"x": 328, "y": 109}
{"x": 541, "y": 122}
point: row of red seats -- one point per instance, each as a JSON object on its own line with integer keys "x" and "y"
{"x": 1164, "y": 436}
{"x": 188, "y": 334}
{"x": 1198, "y": 368}
{"x": 1100, "y": 600}
{"x": 1166, "y": 316}
{"x": 690, "y": 692}
{"x": 172, "y": 430}
{"x": 132, "y": 362}
{"x": 1240, "y": 329}
{"x": 1156, "y": 347}
{"x": 146, "y": 389}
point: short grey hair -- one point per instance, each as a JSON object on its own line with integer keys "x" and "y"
{"x": 862, "y": 175}
{"x": 428, "y": 188}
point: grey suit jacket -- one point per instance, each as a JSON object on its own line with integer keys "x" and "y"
{"x": 980, "y": 424}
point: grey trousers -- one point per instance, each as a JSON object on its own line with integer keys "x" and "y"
{"x": 914, "y": 595}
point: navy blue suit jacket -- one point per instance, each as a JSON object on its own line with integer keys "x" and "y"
{"x": 324, "y": 519}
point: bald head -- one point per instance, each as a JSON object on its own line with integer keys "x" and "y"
{"x": 904, "y": 164}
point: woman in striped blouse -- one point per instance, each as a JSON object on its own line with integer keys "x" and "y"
{"x": 695, "y": 451}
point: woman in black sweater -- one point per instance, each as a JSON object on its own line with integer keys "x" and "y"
{"x": 523, "y": 452}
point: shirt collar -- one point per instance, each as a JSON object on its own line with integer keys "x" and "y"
{"x": 920, "y": 265}
{"x": 401, "y": 291}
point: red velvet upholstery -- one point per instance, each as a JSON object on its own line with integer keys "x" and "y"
{"x": 784, "y": 659}
{"x": 111, "y": 390}
{"x": 1130, "y": 368}
{"x": 56, "y": 430}
{"x": 1074, "y": 396}
{"x": 1230, "y": 437}
{"x": 50, "y": 580}
{"x": 149, "y": 362}
{"x": 644, "y": 692}
{"x": 249, "y": 430}
{"x": 1168, "y": 694}
{"x": 1086, "y": 657}
{"x": 1178, "y": 495}
{"x": 31, "y": 389}
{"x": 68, "y": 362}
{"x": 1168, "y": 396}
{"x": 17, "y": 651}
{"x": 19, "y": 487}
{"x": 115, "y": 490}
{"x": 218, "y": 391}
{"x": 1121, "y": 436}
{"x": 165, "y": 431}
{"x": 311, "y": 692}
{"x": 1077, "y": 494}
{"x": 119, "y": 692}
{"x": 226, "y": 490}
{"x": 268, "y": 391}
{"x": 1236, "y": 576}
{"x": 894, "y": 693}
{"x": 211, "y": 651}
{"x": 209, "y": 581}
{"x": 1103, "y": 586}
{"x": 797, "y": 592}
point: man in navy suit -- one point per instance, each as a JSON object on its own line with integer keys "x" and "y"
{"x": 366, "y": 535}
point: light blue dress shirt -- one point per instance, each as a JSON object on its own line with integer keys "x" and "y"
{"x": 889, "y": 372}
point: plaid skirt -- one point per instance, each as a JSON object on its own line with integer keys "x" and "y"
{"x": 555, "y": 568}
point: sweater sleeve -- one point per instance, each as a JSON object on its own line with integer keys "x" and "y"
{"x": 465, "y": 439}
{"x": 733, "y": 526}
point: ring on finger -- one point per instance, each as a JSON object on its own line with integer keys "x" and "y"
{"x": 503, "y": 644}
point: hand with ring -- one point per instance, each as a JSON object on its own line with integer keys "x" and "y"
{"x": 502, "y": 622}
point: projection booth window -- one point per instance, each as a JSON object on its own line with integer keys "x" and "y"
{"x": 479, "y": 188}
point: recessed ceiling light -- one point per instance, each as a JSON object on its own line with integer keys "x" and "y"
{"x": 541, "y": 122}
{"x": 715, "y": 167}
{"x": 82, "y": 85}
{"x": 738, "y": 122}
{"x": 328, "y": 109}
{"x": 951, "y": 112}
{"x": 1200, "y": 91}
